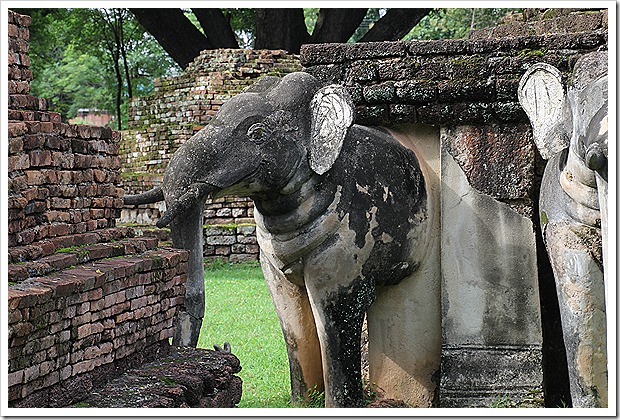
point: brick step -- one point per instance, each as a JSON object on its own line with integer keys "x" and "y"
{"x": 87, "y": 320}
{"x": 66, "y": 258}
{"x": 163, "y": 235}
{"x": 40, "y": 249}
{"x": 16, "y": 115}
{"x": 187, "y": 377}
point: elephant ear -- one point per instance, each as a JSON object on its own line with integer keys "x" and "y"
{"x": 542, "y": 96}
{"x": 332, "y": 113}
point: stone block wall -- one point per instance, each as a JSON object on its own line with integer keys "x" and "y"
{"x": 178, "y": 108}
{"x": 85, "y": 298}
{"x": 494, "y": 277}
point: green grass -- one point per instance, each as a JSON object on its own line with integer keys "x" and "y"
{"x": 239, "y": 310}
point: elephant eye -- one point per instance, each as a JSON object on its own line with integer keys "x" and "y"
{"x": 258, "y": 133}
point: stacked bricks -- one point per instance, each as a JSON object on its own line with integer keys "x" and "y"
{"x": 82, "y": 323}
{"x": 179, "y": 107}
{"x": 234, "y": 243}
{"x": 85, "y": 297}
{"x": 63, "y": 179}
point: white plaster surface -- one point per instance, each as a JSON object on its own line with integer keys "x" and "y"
{"x": 488, "y": 265}
{"x": 404, "y": 323}
{"x": 541, "y": 94}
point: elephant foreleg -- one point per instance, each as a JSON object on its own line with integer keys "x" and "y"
{"x": 581, "y": 294}
{"x": 297, "y": 322}
{"x": 340, "y": 315}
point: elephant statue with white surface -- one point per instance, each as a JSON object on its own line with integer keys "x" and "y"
{"x": 570, "y": 130}
{"x": 341, "y": 209}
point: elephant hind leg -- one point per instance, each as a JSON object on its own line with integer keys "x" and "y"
{"x": 297, "y": 322}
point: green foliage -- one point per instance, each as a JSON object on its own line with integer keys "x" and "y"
{"x": 239, "y": 310}
{"x": 73, "y": 66}
{"x": 310, "y": 16}
{"x": 502, "y": 401}
{"x": 316, "y": 399}
{"x": 455, "y": 23}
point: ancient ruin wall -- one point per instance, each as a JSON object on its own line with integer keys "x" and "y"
{"x": 490, "y": 172}
{"x": 85, "y": 298}
{"x": 178, "y": 108}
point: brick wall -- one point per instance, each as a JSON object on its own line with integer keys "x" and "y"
{"x": 71, "y": 326}
{"x": 63, "y": 179}
{"x": 182, "y": 105}
{"x": 85, "y": 298}
{"x": 178, "y": 108}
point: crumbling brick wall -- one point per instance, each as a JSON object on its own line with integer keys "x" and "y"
{"x": 178, "y": 108}
{"x": 85, "y": 298}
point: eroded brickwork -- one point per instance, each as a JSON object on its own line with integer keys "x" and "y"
{"x": 85, "y": 298}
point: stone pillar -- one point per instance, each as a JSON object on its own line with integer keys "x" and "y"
{"x": 492, "y": 339}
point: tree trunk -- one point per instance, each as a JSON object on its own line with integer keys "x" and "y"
{"x": 395, "y": 24}
{"x": 216, "y": 27}
{"x": 174, "y": 32}
{"x": 120, "y": 39}
{"x": 280, "y": 29}
{"x": 336, "y": 25}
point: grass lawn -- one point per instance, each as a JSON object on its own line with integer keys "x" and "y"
{"x": 239, "y": 310}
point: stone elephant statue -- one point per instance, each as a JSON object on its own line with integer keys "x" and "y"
{"x": 341, "y": 209}
{"x": 570, "y": 130}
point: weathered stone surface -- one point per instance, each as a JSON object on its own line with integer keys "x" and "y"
{"x": 489, "y": 291}
{"x": 481, "y": 69}
{"x": 497, "y": 160}
{"x": 476, "y": 376}
{"x": 411, "y": 341}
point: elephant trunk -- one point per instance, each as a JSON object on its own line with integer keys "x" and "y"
{"x": 579, "y": 182}
{"x": 185, "y": 216}
{"x": 194, "y": 196}
{"x": 151, "y": 196}
{"x": 186, "y": 233}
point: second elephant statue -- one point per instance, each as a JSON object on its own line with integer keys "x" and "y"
{"x": 570, "y": 129}
{"x": 341, "y": 209}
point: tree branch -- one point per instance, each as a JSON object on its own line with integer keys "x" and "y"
{"x": 216, "y": 28}
{"x": 174, "y": 32}
{"x": 336, "y": 25}
{"x": 395, "y": 24}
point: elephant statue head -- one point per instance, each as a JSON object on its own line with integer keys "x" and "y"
{"x": 570, "y": 130}
{"x": 340, "y": 210}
